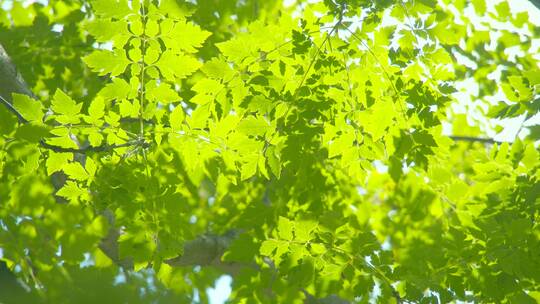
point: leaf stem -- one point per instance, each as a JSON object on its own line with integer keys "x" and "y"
{"x": 143, "y": 71}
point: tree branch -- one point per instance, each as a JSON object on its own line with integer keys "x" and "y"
{"x": 207, "y": 250}
{"x": 11, "y": 81}
{"x": 475, "y": 139}
{"x": 536, "y": 3}
{"x": 8, "y": 105}
{"x": 44, "y": 144}
{"x": 101, "y": 148}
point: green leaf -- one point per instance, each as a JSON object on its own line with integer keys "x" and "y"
{"x": 303, "y": 230}
{"x": 62, "y": 142}
{"x": 71, "y": 191}
{"x": 138, "y": 246}
{"x": 252, "y": 125}
{"x": 56, "y": 161}
{"x": 95, "y": 139}
{"x": 236, "y": 49}
{"x": 118, "y": 89}
{"x": 176, "y": 119}
{"x": 311, "y": 162}
{"x": 175, "y": 9}
{"x": 242, "y": 249}
{"x": 188, "y": 37}
{"x": 520, "y": 88}
{"x": 74, "y": 170}
{"x": 32, "y": 132}
{"x": 301, "y": 42}
{"x": 105, "y": 30}
{"x": 424, "y": 138}
{"x": 285, "y": 228}
{"x": 199, "y": 117}
{"x": 129, "y": 108}
{"x": 261, "y": 165}
{"x": 249, "y": 167}
{"x": 479, "y": 6}
{"x": 29, "y": 108}
{"x": 63, "y": 104}
{"x": 378, "y": 119}
{"x": 225, "y": 126}
{"x": 106, "y": 62}
{"x": 208, "y": 86}
{"x": 136, "y": 27}
{"x": 274, "y": 161}
{"x": 267, "y": 247}
{"x": 395, "y": 168}
{"x": 162, "y": 93}
{"x": 341, "y": 144}
{"x": 90, "y": 167}
{"x": 111, "y": 8}
{"x": 68, "y": 109}
{"x": 317, "y": 248}
{"x": 175, "y": 67}
{"x": 31, "y": 162}
{"x": 97, "y": 109}
{"x": 303, "y": 274}
{"x": 503, "y": 9}
{"x": 217, "y": 69}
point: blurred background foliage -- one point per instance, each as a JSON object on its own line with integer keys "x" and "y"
{"x": 480, "y": 206}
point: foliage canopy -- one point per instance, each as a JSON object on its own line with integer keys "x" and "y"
{"x": 317, "y": 152}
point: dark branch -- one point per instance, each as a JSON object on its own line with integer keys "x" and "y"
{"x": 109, "y": 244}
{"x": 207, "y": 250}
{"x": 13, "y": 110}
{"x": 44, "y": 144}
{"x": 101, "y": 148}
{"x": 11, "y": 80}
{"x": 475, "y": 139}
{"x": 536, "y": 3}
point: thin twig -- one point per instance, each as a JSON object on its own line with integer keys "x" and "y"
{"x": 475, "y": 139}
{"x": 143, "y": 71}
{"x": 12, "y": 109}
{"x": 101, "y": 148}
